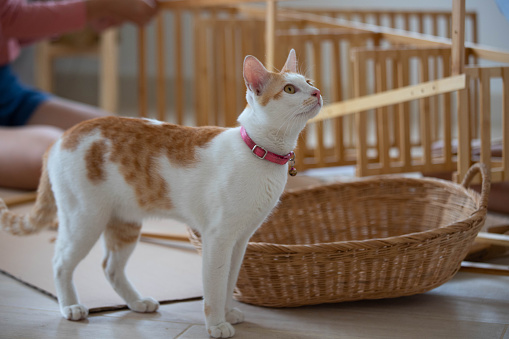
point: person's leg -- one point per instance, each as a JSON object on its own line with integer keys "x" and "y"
{"x": 63, "y": 113}
{"x": 22, "y": 148}
{"x": 21, "y": 152}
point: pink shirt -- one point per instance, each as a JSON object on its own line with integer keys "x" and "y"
{"x": 22, "y": 22}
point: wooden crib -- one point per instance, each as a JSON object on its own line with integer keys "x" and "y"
{"x": 350, "y": 55}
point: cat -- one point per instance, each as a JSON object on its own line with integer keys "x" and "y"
{"x": 105, "y": 176}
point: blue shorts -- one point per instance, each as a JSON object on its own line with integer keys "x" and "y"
{"x": 17, "y": 102}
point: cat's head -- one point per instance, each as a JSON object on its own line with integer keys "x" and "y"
{"x": 280, "y": 98}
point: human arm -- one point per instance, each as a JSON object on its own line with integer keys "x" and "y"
{"x": 25, "y": 21}
{"x": 28, "y": 21}
{"x": 115, "y": 12}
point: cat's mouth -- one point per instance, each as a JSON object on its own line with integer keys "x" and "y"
{"x": 310, "y": 113}
{"x": 314, "y": 109}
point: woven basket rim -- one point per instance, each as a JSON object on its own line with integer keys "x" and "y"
{"x": 387, "y": 242}
{"x": 349, "y": 245}
{"x": 379, "y": 179}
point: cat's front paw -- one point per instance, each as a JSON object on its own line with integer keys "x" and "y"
{"x": 222, "y": 330}
{"x": 235, "y": 316}
{"x": 74, "y": 312}
{"x": 145, "y": 305}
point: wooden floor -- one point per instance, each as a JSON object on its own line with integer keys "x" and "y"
{"x": 469, "y": 306}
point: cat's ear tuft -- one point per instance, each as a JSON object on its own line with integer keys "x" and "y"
{"x": 291, "y": 63}
{"x": 255, "y": 74}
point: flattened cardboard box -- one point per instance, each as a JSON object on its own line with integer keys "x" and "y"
{"x": 162, "y": 272}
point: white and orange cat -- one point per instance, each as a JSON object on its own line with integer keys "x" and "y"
{"x": 105, "y": 176}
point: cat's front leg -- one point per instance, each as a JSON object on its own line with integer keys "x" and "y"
{"x": 234, "y": 315}
{"x": 217, "y": 254}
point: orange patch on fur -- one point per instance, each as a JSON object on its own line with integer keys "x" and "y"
{"x": 206, "y": 310}
{"x": 120, "y": 233}
{"x": 42, "y": 215}
{"x": 273, "y": 90}
{"x": 94, "y": 159}
{"x": 72, "y": 137}
{"x": 278, "y": 95}
{"x": 45, "y": 210}
{"x": 135, "y": 146}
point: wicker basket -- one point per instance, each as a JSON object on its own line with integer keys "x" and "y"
{"x": 375, "y": 238}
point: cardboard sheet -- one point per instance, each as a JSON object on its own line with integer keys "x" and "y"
{"x": 166, "y": 273}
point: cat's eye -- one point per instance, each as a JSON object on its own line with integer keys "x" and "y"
{"x": 290, "y": 89}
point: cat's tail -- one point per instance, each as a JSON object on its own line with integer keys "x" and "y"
{"x": 43, "y": 214}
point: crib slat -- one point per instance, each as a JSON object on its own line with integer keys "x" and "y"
{"x": 392, "y": 20}
{"x": 230, "y": 71}
{"x": 179, "y": 78}
{"x": 458, "y": 37}
{"x": 404, "y": 117}
{"x": 336, "y": 95}
{"x": 425, "y": 120}
{"x": 161, "y": 77}
{"x": 420, "y": 18}
{"x": 458, "y": 67}
{"x": 447, "y": 112}
{"x": 142, "y": 73}
{"x": 200, "y": 70}
{"x": 360, "y": 117}
{"x": 406, "y": 21}
{"x": 382, "y": 115}
{"x": 394, "y": 110}
{"x": 485, "y": 116}
{"x": 435, "y": 114}
{"x": 349, "y": 121}
{"x": 434, "y": 24}
{"x": 270, "y": 34}
{"x": 464, "y": 147}
{"x": 302, "y": 148}
{"x": 320, "y": 149}
{"x": 505, "y": 122}
{"x": 220, "y": 74}
{"x": 108, "y": 84}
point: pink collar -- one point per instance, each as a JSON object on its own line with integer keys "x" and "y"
{"x": 262, "y": 153}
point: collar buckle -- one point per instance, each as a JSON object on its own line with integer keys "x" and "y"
{"x": 263, "y": 149}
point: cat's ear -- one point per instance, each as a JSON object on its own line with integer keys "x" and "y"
{"x": 255, "y": 74}
{"x": 291, "y": 63}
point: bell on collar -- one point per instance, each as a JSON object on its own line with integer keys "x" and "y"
{"x": 292, "y": 171}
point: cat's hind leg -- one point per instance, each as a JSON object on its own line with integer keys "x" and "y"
{"x": 76, "y": 237}
{"x": 120, "y": 239}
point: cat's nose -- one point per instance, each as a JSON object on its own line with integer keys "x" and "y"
{"x": 316, "y": 93}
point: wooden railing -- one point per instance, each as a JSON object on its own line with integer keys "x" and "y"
{"x": 437, "y": 23}
{"x": 489, "y": 149}
{"x": 403, "y": 134}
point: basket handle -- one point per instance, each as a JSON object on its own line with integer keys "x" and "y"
{"x": 485, "y": 184}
